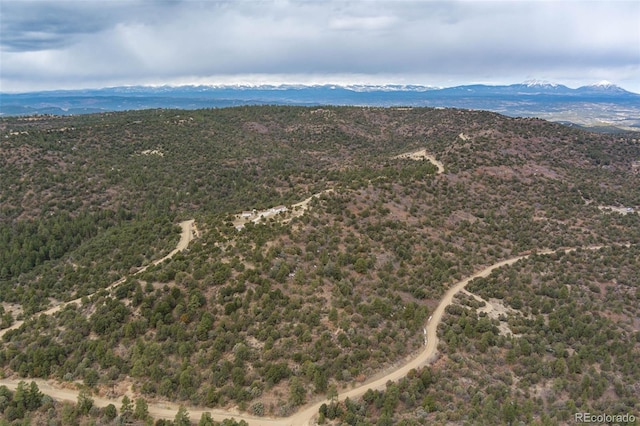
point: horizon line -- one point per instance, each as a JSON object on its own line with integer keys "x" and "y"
{"x": 531, "y": 82}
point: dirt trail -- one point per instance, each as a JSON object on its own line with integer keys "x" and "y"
{"x": 188, "y": 234}
{"x": 188, "y": 231}
{"x": 306, "y": 415}
{"x": 298, "y": 209}
{"x": 423, "y": 155}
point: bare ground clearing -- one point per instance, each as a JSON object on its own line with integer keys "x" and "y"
{"x": 423, "y": 155}
{"x": 286, "y": 213}
{"x": 621, "y": 210}
{"x": 495, "y": 309}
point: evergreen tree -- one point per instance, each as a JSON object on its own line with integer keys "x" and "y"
{"x": 182, "y": 417}
{"x": 206, "y": 420}
{"x": 141, "y": 411}
{"x": 85, "y": 402}
{"x": 126, "y": 410}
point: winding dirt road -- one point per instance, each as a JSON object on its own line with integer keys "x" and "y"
{"x": 187, "y": 234}
{"x": 305, "y": 416}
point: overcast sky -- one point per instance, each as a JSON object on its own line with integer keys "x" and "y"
{"x": 59, "y": 44}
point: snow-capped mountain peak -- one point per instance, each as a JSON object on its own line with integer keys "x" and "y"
{"x": 389, "y": 88}
{"x": 604, "y": 83}
{"x": 539, "y": 83}
{"x": 603, "y": 86}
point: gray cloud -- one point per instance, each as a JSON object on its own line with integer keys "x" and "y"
{"x": 82, "y": 43}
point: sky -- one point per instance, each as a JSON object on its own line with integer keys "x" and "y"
{"x": 75, "y": 44}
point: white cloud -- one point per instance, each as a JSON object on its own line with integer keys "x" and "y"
{"x": 362, "y": 23}
{"x": 50, "y": 44}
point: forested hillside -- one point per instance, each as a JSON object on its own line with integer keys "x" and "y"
{"x": 295, "y": 307}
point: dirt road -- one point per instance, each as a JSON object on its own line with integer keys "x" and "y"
{"x": 157, "y": 411}
{"x": 305, "y": 416}
{"x": 185, "y": 238}
{"x": 187, "y": 234}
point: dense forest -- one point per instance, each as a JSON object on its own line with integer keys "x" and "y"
{"x": 293, "y": 308}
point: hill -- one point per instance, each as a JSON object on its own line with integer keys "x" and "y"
{"x": 312, "y": 298}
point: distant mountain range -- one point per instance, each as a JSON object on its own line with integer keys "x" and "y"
{"x": 603, "y": 105}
